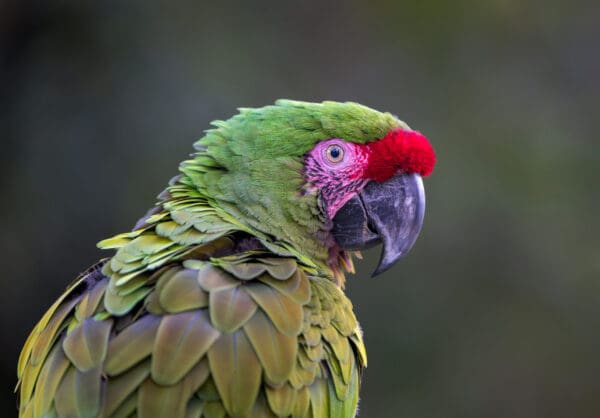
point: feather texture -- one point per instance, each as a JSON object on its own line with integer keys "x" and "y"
{"x": 259, "y": 345}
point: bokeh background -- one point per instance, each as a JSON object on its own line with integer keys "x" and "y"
{"x": 496, "y": 312}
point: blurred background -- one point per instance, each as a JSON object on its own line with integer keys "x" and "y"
{"x": 496, "y": 312}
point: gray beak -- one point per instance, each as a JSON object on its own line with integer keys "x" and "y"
{"x": 390, "y": 212}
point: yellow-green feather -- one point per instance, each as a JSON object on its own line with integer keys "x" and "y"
{"x": 253, "y": 348}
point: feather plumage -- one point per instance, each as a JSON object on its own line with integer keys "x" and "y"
{"x": 224, "y": 301}
{"x": 252, "y": 344}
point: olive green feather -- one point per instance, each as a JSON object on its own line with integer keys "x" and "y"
{"x": 252, "y": 343}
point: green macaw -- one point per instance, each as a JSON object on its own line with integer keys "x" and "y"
{"x": 226, "y": 299}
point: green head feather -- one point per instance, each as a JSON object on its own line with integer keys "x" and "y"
{"x": 252, "y": 167}
{"x": 247, "y": 175}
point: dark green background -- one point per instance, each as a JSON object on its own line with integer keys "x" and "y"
{"x": 495, "y": 313}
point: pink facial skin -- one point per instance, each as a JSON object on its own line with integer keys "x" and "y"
{"x": 400, "y": 150}
{"x": 337, "y": 181}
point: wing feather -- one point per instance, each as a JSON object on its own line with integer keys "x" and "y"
{"x": 243, "y": 335}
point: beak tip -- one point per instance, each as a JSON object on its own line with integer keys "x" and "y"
{"x": 387, "y": 261}
{"x": 383, "y": 266}
{"x": 380, "y": 269}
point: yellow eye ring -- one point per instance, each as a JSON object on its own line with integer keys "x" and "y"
{"x": 334, "y": 153}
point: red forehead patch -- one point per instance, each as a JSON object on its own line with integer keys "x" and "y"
{"x": 399, "y": 150}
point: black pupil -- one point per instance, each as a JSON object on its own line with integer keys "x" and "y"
{"x": 334, "y": 152}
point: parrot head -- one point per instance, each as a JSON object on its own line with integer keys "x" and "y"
{"x": 317, "y": 180}
{"x": 373, "y": 192}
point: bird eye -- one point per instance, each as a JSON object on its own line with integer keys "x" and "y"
{"x": 334, "y": 153}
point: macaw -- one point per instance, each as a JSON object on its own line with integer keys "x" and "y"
{"x": 226, "y": 299}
